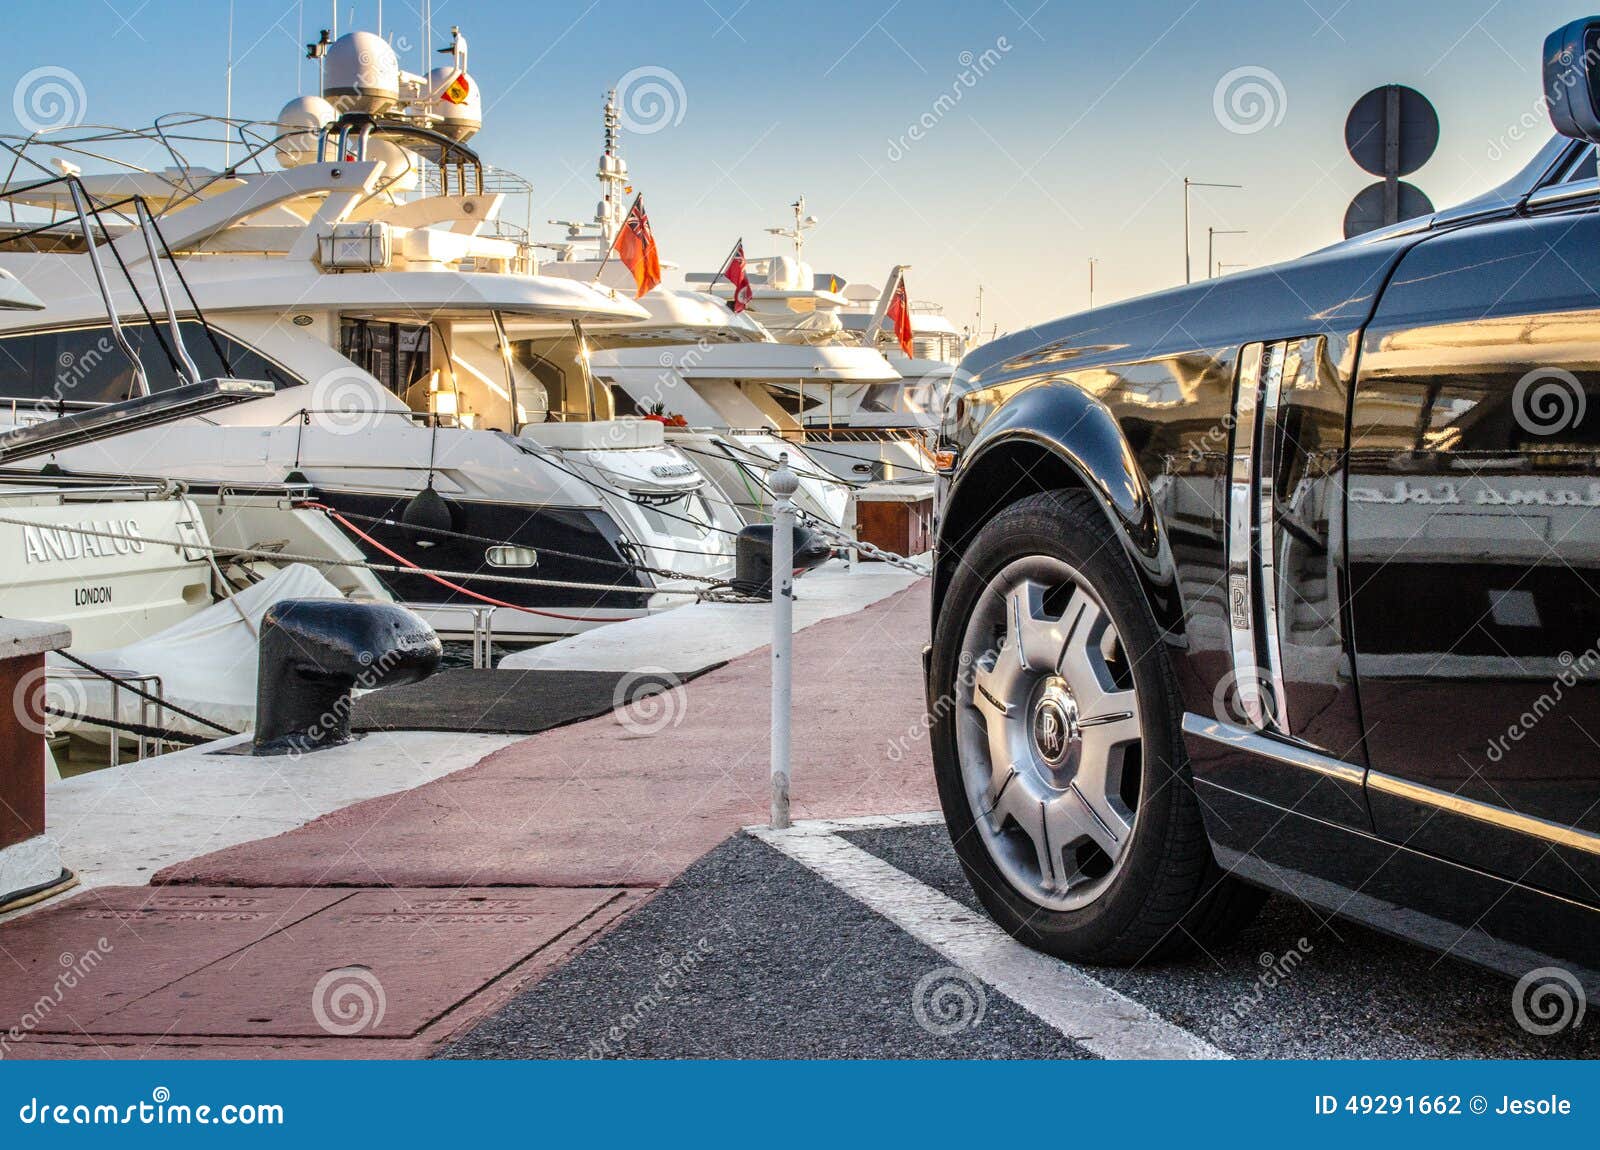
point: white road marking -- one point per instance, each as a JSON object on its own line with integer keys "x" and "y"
{"x": 1081, "y": 1007}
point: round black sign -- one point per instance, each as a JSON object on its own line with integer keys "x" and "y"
{"x": 1366, "y": 130}
{"x": 1365, "y": 213}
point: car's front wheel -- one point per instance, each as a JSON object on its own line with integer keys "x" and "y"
{"x": 1058, "y": 748}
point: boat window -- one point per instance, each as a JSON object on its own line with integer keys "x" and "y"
{"x": 686, "y": 518}
{"x": 561, "y": 400}
{"x": 84, "y": 365}
{"x": 397, "y": 355}
{"x": 788, "y": 397}
{"x": 624, "y": 402}
{"x": 879, "y": 398}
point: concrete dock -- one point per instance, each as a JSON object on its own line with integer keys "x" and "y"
{"x": 395, "y": 920}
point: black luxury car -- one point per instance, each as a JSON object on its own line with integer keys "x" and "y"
{"x": 1291, "y": 581}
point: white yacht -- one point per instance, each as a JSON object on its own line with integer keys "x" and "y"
{"x": 676, "y": 369}
{"x": 432, "y": 389}
{"x": 713, "y": 377}
{"x": 163, "y": 621}
{"x": 937, "y": 346}
{"x": 864, "y": 429}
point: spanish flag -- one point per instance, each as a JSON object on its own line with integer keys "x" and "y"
{"x": 636, "y": 247}
{"x": 458, "y": 91}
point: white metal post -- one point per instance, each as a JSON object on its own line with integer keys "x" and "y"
{"x": 852, "y": 528}
{"x": 784, "y": 484}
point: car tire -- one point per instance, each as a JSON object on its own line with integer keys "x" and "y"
{"x": 1113, "y": 878}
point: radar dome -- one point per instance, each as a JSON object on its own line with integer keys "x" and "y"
{"x": 311, "y": 113}
{"x": 361, "y": 73}
{"x": 459, "y": 104}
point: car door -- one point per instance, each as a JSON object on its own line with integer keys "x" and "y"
{"x": 1290, "y": 676}
{"x": 1473, "y": 510}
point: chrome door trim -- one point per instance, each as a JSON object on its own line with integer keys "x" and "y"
{"x": 1255, "y": 639}
{"x": 1277, "y": 711}
{"x": 1286, "y": 754}
{"x": 1508, "y": 820}
{"x": 1558, "y": 195}
{"x": 1240, "y": 547}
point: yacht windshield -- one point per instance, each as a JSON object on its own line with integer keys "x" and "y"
{"x": 69, "y": 368}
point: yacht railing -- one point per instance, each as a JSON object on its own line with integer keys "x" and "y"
{"x": 155, "y": 245}
{"x": 448, "y": 167}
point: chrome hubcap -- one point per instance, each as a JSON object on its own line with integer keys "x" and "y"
{"x": 1057, "y": 738}
{"x": 1048, "y": 732}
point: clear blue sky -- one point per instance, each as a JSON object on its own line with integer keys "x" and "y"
{"x": 1071, "y": 145}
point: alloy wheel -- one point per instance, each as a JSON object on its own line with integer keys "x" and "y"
{"x": 1048, "y": 733}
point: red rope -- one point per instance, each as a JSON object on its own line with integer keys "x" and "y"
{"x": 456, "y": 587}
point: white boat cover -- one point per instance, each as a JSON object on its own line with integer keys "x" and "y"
{"x": 207, "y": 663}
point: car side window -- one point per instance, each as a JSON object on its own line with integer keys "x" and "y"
{"x": 1582, "y": 167}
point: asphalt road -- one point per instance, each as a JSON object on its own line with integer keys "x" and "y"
{"x": 750, "y": 954}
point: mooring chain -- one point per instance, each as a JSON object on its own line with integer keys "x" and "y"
{"x": 870, "y": 550}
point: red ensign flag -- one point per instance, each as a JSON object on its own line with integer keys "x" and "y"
{"x": 899, "y": 314}
{"x": 733, "y": 271}
{"x": 636, "y": 247}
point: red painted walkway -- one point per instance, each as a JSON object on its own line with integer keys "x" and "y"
{"x": 383, "y": 929}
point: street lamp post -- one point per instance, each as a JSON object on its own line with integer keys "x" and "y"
{"x": 1211, "y": 246}
{"x": 1188, "y": 264}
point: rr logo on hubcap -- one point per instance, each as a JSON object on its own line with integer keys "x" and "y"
{"x": 1055, "y": 727}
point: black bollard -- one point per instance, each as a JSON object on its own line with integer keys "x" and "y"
{"x": 753, "y": 557}
{"x": 313, "y": 652}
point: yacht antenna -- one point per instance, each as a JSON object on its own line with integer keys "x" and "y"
{"x": 318, "y": 51}
{"x": 227, "y": 100}
{"x": 802, "y": 224}
{"x": 613, "y": 176}
{"x": 980, "y": 310}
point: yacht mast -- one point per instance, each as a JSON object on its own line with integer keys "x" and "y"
{"x": 613, "y": 175}
{"x": 802, "y": 224}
